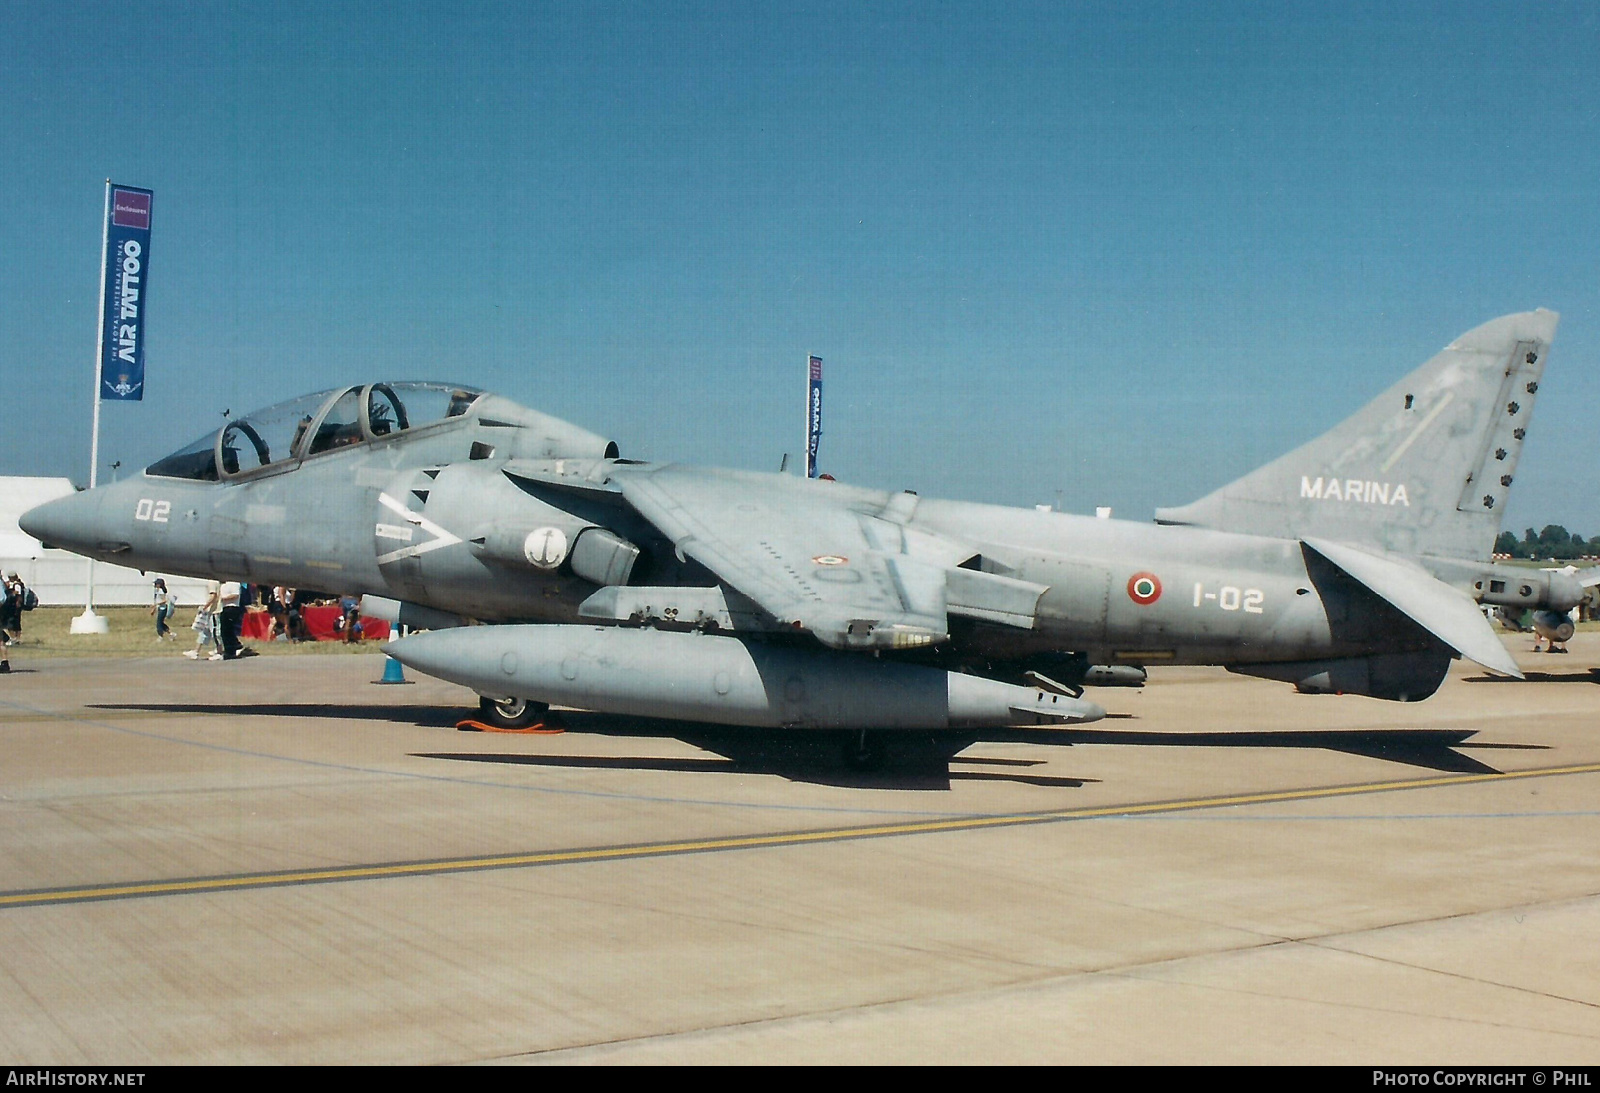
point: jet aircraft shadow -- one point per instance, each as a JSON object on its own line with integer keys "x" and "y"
{"x": 907, "y": 760}
{"x": 1435, "y": 749}
{"x": 1588, "y": 675}
{"x": 821, "y": 766}
{"x": 427, "y": 716}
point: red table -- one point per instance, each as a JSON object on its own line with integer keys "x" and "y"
{"x": 319, "y": 621}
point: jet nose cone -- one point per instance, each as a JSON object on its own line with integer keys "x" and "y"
{"x": 70, "y": 522}
{"x": 438, "y": 653}
{"x": 412, "y": 651}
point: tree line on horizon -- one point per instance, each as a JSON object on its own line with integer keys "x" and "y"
{"x": 1554, "y": 541}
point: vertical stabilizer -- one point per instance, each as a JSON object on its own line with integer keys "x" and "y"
{"x": 1425, "y": 468}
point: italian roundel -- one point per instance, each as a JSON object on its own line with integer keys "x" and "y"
{"x": 1144, "y": 588}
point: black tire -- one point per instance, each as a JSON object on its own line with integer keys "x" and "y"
{"x": 512, "y": 713}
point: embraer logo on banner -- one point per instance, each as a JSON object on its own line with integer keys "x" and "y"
{"x": 1354, "y": 489}
{"x": 130, "y": 210}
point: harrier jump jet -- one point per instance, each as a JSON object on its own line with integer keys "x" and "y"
{"x": 549, "y": 569}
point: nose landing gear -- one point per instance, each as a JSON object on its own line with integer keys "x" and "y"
{"x": 511, "y": 713}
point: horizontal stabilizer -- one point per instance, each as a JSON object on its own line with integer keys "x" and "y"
{"x": 1446, "y": 613}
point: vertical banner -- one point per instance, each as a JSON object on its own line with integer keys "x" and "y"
{"x": 127, "y": 265}
{"x": 813, "y": 413}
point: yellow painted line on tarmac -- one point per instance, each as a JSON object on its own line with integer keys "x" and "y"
{"x": 437, "y": 867}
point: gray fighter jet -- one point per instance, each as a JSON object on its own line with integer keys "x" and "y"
{"x": 1553, "y": 627}
{"x": 1355, "y": 564}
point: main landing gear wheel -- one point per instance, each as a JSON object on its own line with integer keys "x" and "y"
{"x": 511, "y": 713}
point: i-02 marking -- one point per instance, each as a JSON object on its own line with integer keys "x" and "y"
{"x": 1230, "y": 598}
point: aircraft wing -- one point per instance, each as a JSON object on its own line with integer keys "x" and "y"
{"x": 796, "y": 548}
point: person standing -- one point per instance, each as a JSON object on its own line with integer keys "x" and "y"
{"x": 350, "y": 619}
{"x": 12, "y": 608}
{"x": 5, "y": 638}
{"x": 278, "y": 613}
{"x": 294, "y": 614}
{"x": 162, "y": 609}
{"x": 232, "y": 615}
{"x": 205, "y": 624}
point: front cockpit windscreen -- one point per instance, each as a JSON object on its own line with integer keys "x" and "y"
{"x": 197, "y": 461}
{"x": 314, "y": 424}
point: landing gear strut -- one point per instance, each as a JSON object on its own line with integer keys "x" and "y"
{"x": 863, "y": 750}
{"x": 511, "y": 713}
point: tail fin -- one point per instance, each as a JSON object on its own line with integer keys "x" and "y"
{"x": 1423, "y": 469}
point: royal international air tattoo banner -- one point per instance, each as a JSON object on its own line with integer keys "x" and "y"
{"x": 813, "y": 415}
{"x": 127, "y": 271}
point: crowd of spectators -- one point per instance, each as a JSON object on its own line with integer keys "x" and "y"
{"x": 221, "y": 621}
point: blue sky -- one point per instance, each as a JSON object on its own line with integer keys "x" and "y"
{"x": 1124, "y": 252}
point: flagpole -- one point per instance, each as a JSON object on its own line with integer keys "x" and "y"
{"x": 89, "y": 622}
{"x": 99, "y": 348}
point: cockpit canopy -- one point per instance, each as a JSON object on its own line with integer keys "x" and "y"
{"x": 313, "y": 424}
